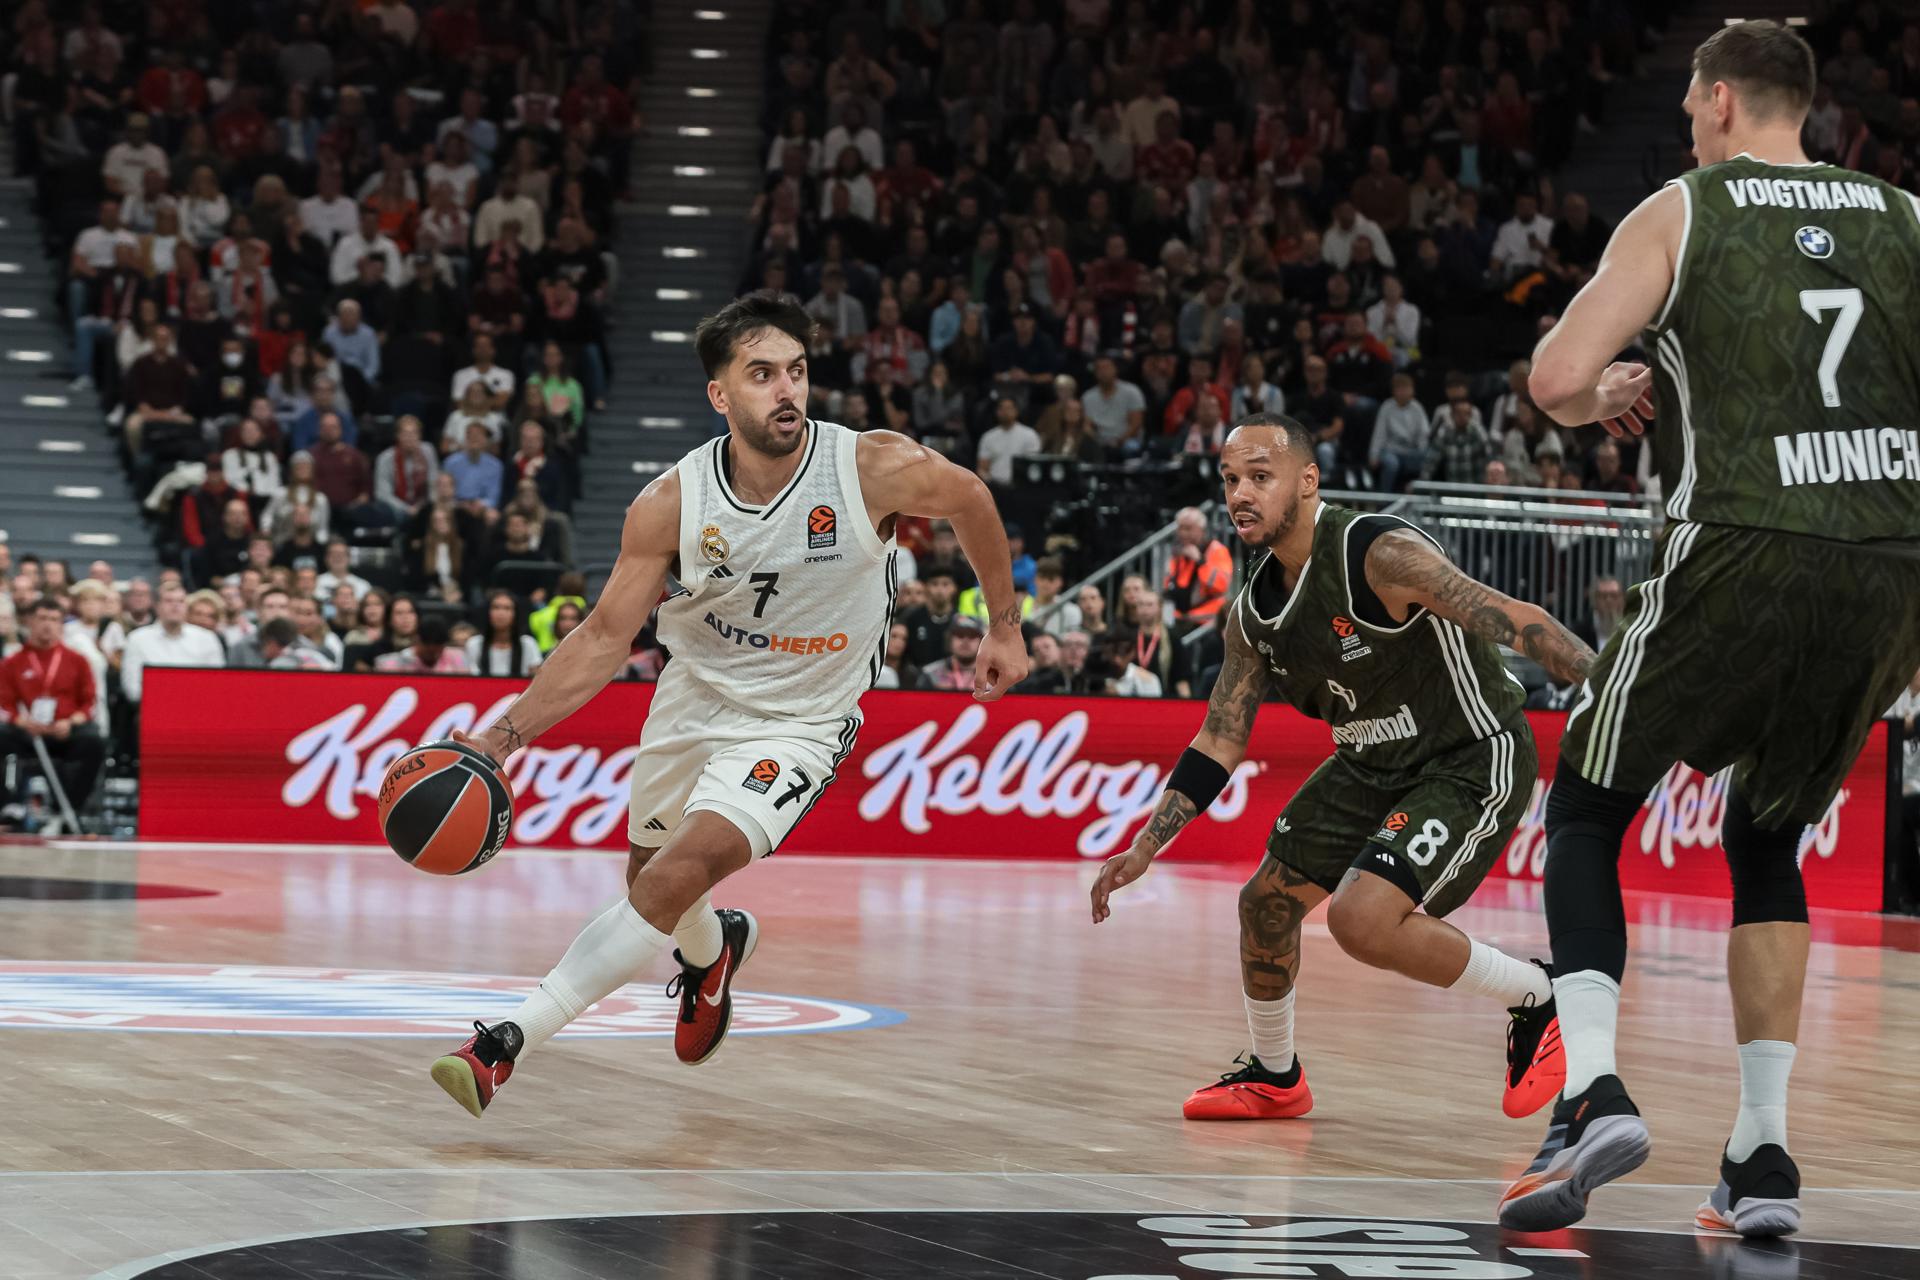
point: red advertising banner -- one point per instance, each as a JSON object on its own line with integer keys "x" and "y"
{"x": 297, "y": 757}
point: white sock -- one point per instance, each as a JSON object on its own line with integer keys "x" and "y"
{"x": 1588, "y": 1003}
{"x": 698, "y": 935}
{"x": 609, "y": 953}
{"x": 1764, "y": 1068}
{"x": 1270, "y": 1022}
{"x": 1492, "y": 972}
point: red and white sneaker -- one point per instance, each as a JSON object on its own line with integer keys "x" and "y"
{"x": 706, "y": 995}
{"x": 1253, "y": 1093}
{"x": 474, "y": 1072}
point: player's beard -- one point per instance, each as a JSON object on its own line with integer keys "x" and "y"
{"x": 1277, "y": 534}
{"x": 760, "y": 434}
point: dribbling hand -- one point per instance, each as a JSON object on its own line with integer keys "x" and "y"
{"x": 490, "y": 744}
{"x": 1119, "y": 871}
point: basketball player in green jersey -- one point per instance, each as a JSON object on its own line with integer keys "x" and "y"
{"x": 1361, "y": 621}
{"x": 1779, "y": 300}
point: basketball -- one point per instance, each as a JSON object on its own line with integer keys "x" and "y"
{"x": 446, "y": 808}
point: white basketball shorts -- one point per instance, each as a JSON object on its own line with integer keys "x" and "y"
{"x": 762, "y": 775}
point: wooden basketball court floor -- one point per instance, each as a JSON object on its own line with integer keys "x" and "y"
{"x": 1020, "y": 1119}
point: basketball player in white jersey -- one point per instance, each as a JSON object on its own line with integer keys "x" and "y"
{"x": 777, "y": 540}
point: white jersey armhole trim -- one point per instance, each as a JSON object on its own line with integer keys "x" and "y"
{"x": 1680, "y": 254}
{"x": 1913, "y": 200}
{"x": 847, "y": 459}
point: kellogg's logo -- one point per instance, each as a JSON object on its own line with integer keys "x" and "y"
{"x": 1682, "y": 814}
{"x": 1027, "y": 770}
{"x": 346, "y": 756}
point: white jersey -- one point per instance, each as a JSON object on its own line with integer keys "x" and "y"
{"x": 781, "y": 611}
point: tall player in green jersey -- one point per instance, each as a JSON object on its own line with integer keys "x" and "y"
{"x": 1779, "y": 299}
{"x": 1361, "y": 621}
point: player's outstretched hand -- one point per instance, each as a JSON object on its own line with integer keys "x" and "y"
{"x": 1626, "y": 398}
{"x": 1117, "y": 872}
{"x": 1000, "y": 664}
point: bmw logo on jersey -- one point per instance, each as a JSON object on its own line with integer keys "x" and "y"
{"x": 1815, "y": 242}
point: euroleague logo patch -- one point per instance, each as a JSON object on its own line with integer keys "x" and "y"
{"x": 822, "y": 527}
{"x": 1352, "y": 643}
{"x": 273, "y": 1001}
{"x": 762, "y": 776}
{"x": 1394, "y": 825}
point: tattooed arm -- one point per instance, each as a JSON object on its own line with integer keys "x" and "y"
{"x": 1405, "y": 570}
{"x": 1223, "y": 737}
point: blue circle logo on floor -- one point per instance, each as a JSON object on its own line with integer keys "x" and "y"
{"x": 241, "y": 999}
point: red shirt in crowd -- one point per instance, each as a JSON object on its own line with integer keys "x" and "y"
{"x": 158, "y": 83}
{"x": 455, "y": 32}
{"x": 343, "y": 473}
{"x": 1181, "y": 406}
{"x": 238, "y": 129}
{"x": 1114, "y": 279}
{"x": 55, "y": 672}
{"x": 602, "y": 104}
{"x": 1166, "y": 164}
{"x": 909, "y": 185}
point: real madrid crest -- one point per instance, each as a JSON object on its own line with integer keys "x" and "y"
{"x": 713, "y": 545}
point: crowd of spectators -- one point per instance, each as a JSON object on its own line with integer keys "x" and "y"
{"x": 337, "y": 271}
{"x": 1104, "y": 229}
{"x": 339, "y": 280}
{"x": 85, "y": 643}
{"x": 1866, "y": 110}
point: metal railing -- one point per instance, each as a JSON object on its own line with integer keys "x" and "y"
{"x": 1545, "y": 546}
{"x": 1149, "y": 557}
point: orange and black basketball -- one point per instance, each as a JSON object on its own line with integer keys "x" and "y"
{"x": 446, "y": 808}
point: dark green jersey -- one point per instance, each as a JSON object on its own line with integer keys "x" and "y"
{"x": 1786, "y": 356}
{"x": 1396, "y": 694}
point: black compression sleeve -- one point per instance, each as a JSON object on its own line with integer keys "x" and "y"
{"x": 1198, "y": 777}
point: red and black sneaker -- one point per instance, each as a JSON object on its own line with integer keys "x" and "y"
{"x": 706, "y": 995}
{"x": 474, "y": 1072}
{"x": 1536, "y": 1064}
{"x": 1253, "y": 1093}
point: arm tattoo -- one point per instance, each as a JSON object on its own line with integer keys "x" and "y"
{"x": 1238, "y": 692}
{"x": 1564, "y": 655}
{"x": 1174, "y": 811}
{"x": 1007, "y": 617}
{"x": 1403, "y": 561}
{"x": 1273, "y": 906}
{"x": 514, "y": 740}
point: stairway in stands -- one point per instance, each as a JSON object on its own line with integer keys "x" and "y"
{"x": 1644, "y": 140}
{"x": 682, "y": 244}
{"x": 62, "y": 492}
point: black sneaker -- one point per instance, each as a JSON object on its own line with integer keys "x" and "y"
{"x": 1594, "y": 1137}
{"x": 1759, "y": 1197}
{"x": 1536, "y": 1065}
{"x": 474, "y": 1072}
